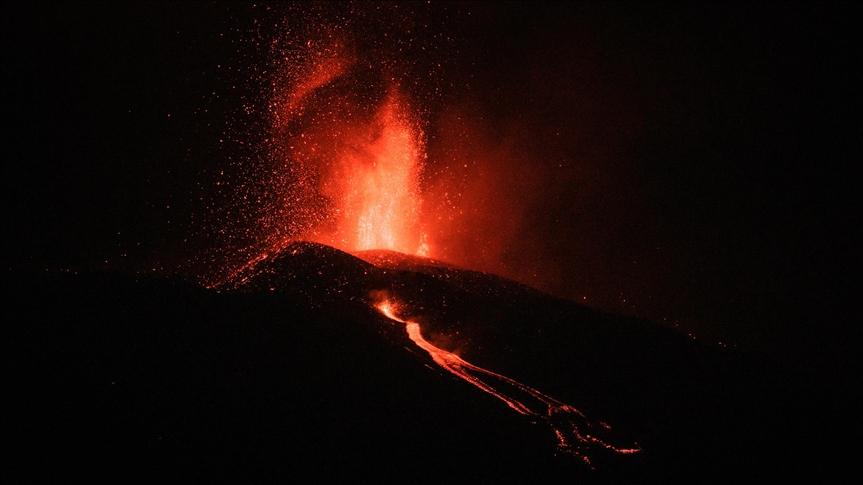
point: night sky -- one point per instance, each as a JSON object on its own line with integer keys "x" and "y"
{"x": 687, "y": 164}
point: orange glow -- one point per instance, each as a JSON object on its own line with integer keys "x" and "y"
{"x": 350, "y": 154}
{"x": 346, "y": 153}
{"x": 389, "y": 310}
{"x": 574, "y": 432}
{"x": 374, "y": 186}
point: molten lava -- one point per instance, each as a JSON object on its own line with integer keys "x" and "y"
{"x": 375, "y": 184}
{"x": 574, "y": 432}
{"x": 348, "y": 153}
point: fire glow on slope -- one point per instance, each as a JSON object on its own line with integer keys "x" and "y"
{"x": 575, "y": 434}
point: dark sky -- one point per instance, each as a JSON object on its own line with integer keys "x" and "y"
{"x": 687, "y": 163}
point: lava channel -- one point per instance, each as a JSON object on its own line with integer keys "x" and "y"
{"x": 575, "y": 433}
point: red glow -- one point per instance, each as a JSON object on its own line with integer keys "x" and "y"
{"x": 323, "y": 63}
{"x": 374, "y": 186}
{"x": 349, "y": 153}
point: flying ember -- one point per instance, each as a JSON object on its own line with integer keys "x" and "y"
{"x": 348, "y": 150}
{"x": 374, "y": 185}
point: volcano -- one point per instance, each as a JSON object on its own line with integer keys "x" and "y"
{"x": 375, "y": 364}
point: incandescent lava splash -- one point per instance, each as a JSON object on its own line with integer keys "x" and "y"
{"x": 348, "y": 151}
{"x": 374, "y": 184}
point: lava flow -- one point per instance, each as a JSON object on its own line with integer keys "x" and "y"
{"x": 574, "y": 432}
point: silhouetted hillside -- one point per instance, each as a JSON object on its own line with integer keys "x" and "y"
{"x": 290, "y": 370}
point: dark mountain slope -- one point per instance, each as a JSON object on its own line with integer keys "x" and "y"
{"x": 291, "y": 370}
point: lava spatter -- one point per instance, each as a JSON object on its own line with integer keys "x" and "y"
{"x": 354, "y": 150}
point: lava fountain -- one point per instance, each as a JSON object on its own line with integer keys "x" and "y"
{"x": 374, "y": 186}
{"x": 348, "y": 151}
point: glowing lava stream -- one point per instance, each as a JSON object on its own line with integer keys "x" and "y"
{"x": 571, "y": 427}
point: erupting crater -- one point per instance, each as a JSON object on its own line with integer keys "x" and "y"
{"x": 349, "y": 155}
{"x": 374, "y": 184}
